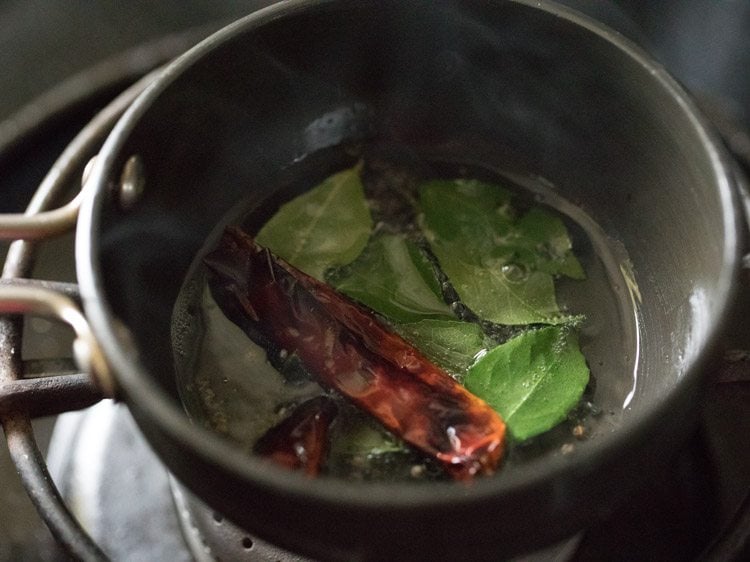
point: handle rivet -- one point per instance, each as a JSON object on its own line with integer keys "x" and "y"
{"x": 132, "y": 183}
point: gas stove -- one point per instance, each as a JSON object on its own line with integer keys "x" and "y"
{"x": 108, "y": 477}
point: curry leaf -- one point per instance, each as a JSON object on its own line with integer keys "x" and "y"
{"x": 544, "y": 243}
{"x": 501, "y": 265}
{"x": 325, "y": 227}
{"x": 532, "y": 380}
{"x": 506, "y": 294}
{"x": 361, "y": 436}
{"x": 452, "y": 344}
{"x": 394, "y": 278}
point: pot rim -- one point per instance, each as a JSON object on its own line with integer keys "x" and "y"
{"x": 138, "y": 387}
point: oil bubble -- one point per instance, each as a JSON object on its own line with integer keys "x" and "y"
{"x": 515, "y": 273}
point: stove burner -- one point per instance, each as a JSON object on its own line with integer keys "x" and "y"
{"x": 211, "y": 537}
{"x": 101, "y": 462}
{"x": 132, "y": 507}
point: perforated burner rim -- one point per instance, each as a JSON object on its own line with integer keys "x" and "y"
{"x": 100, "y": 460}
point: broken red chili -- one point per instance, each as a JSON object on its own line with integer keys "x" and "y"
{"x": 348, "y": 349}
{"x": 300, "y": 441}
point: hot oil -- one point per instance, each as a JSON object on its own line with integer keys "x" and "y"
{"x": 227, "y": 383}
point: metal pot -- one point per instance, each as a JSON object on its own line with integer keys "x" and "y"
{"x": 526, "y": 86}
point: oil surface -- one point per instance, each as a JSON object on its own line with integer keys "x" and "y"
{"x": 227, "y": 384}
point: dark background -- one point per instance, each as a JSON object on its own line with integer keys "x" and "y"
{"x": 704, "y": 43}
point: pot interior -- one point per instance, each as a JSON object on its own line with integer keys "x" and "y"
{"x": 537, "y": 93}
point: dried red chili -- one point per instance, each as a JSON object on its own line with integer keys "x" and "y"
{"x": 349, "y": 350}
{"x": 301, "y": 440}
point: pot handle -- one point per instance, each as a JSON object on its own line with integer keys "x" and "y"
{"x": 40, "y": 225}
{"x": 44, "y": 224}
{"x": 40, "y": 301}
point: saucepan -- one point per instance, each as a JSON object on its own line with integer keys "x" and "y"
{"x": 532, "y": 88}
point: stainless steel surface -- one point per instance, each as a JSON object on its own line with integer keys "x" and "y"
{"x": 117, "y": 488}
{"x": 86, "y": 458}
{"x": 210, "y": 536}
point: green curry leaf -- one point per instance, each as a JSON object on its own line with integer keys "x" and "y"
{"x": 325, "y": 227}
{"x": 452, "y": 344}
{"x": 393, "y": 277}
{"x": 502, "y": 294}
{"x": 543, "y": 243}
{"x": 361, "y": 436}
{"x": 501, "y": 265}
{"x": 532, "y": 380}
